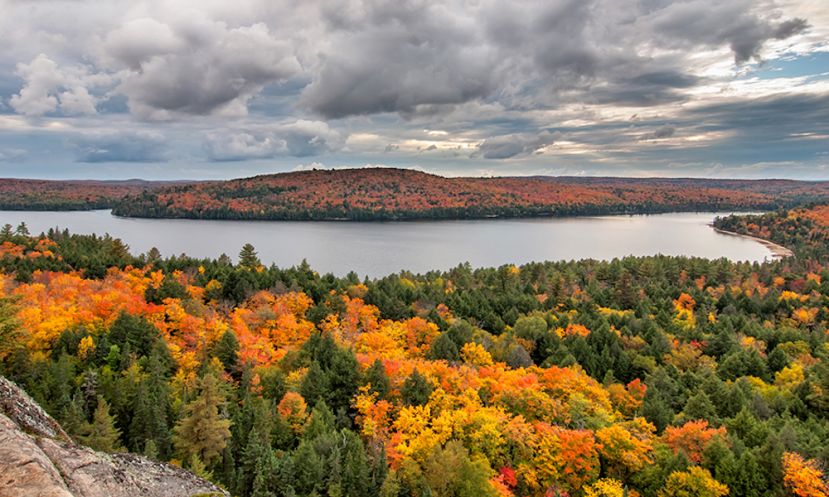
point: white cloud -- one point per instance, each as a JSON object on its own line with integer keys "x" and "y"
{"x": 48, "y": 88}
{"x": 297, "y": 139}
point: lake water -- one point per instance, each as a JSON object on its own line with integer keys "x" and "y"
{"x": 380, "y": 248}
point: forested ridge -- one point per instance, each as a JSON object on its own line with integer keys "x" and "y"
{"x": 392, "y": 194}
{"x": 651, "y": 376}
{"x": 43, "y": 195}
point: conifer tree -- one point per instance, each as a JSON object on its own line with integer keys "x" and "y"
{"x": 9, "y": 326}
{"x": 150, "y": 450}
{"x": 416, "y": 389}
{"x": 377, "y": 378}
{"x": 227, "y": 351}
{"x": 101, "y": 434}
{"x": 315, "y": 384}
{"x": 248, "y": 258}
{"x": 203, "y": 431}
{"x": 320, "y": 422}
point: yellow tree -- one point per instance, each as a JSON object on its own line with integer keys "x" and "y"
{"x": 696, "y": 482}
{"x": 802, "y": 477}
{"x": 203, "y": 432}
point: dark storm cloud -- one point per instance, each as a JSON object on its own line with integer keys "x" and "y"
{"x": 395, "y": 57}
{"x": 403, "y": 56}
{"x": 732, "y": 23}
{"x": 777, "y": 114}
{"x": 121, "y": 147}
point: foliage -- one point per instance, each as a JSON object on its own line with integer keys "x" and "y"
{"x": 386, "y": 193}
{"x": 655, "y": 376}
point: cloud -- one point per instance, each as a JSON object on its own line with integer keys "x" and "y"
{"x": 195, "y": 66}
{"x": 121, "y": 147}
{"x": 48, "y": 88}
{"x": 274, "y": 79}
{"x": 508, "y": 146}
{"x": 309, "y": 167}
{"x": 665, "y": 131}
{"x": 734, "y": 23}
{"x": 399, "y": 57}
{"x": 299, "y": 139}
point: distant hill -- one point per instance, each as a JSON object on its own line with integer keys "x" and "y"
{"x": 34, "y": 194}
{"x": 397, "y": 194}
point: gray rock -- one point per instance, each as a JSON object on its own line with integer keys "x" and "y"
{"x": 37, "y": 458}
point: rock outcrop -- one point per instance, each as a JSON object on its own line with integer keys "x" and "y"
{"x": 37, "y": 458}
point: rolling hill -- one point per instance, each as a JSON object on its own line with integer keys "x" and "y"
{"x": 399, "y": 194}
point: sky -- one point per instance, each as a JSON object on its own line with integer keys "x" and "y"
{"x": 212, "y": 89}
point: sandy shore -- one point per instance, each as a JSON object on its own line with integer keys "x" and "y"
{"x": 777, "y": 251}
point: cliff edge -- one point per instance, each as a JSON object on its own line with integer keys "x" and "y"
{"x": 37, "y": 458}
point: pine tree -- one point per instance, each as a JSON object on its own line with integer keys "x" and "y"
{"x": 150, "y": 450}
{"x": 416, "y": 389}
{"x": 203, "y": 431}
{"x": 377, "y": 378}
{"x": 134, "y": 331}
{"x": 198, "y": 468}
{"x": 9, "y": 326}
{"x": 102, "y": 434}
{"x": 73, "y": 417}
{"x": 315, "y": 385}
{"x": 248, "y": 258}
{"x": 320, "y": 422}
{"x": 444, "y": 348}
{"x": 227, "y": 351}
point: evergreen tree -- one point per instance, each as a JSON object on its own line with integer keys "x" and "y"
{"x": 203, "y": 431}
{"x": 321, "y": 421}
{"x": 315, "y": 384}
{"x": 248, "y": 258}
{"x": 444, "y": 348}
{"x": 150, "y": 450}
{"x": 416, "y": 389}
{"x": 699, "y": 406}
{"x": 377, "y": 378}
{"x": 134, "y": 331}
{"x": 101, "y": 434}
{"x": 227, "y": 351}
{"x": 9, "y": 327}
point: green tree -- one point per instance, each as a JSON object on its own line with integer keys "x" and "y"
{"x": 248, "y": 258}
{"x": 136, "y": 331}
{"x": 377, "y": 378}
{"x": 227, "y": 351}
{"x": 9, "y": 327}
{"x": 416, "y": 389}
{"x": 101, "y": 434}
{"x": 449, "y": 472}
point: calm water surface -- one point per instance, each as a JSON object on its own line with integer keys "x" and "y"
{"x": 377, "y": 249}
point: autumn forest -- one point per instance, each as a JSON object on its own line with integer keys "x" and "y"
{"x": 654, "y": 376}
{"x": 371, "y": 194}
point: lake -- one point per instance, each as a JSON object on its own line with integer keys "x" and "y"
{"x": 380, "y": 248}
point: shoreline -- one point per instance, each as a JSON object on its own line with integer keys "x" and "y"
{"x": 777, "y": 251}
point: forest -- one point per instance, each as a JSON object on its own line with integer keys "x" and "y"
{"x": 394, "y": 194}
{"x": 649, "y": 376}
{"x": 45, "y": 195}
